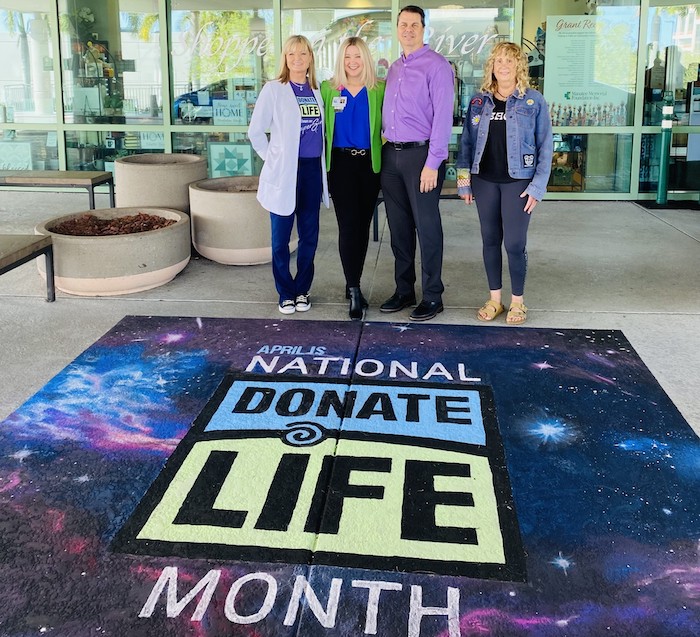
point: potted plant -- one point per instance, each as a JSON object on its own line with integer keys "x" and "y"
{"x": 112, "y": 157}
{"x": 113, "y": 105}
{"x": 87, "y": 264}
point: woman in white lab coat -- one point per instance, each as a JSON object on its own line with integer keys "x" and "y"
{"x": 293, "y": 177}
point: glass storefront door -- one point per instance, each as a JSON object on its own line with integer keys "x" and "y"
{"x": 672, "y": 71}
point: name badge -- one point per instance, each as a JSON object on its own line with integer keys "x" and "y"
{"x": 339, "y": 103}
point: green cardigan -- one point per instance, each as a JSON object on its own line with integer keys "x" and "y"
{"x": 376, "y": 99}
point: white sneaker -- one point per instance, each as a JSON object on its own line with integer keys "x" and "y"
{"x": 302, "y": 303}
{"x": 287, "y": 306}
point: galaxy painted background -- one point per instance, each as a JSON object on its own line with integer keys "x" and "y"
{"x": 604, "y": 471}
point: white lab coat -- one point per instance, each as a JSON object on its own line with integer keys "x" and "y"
{"x": 277, "y": 110}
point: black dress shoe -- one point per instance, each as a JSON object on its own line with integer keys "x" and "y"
{"x": 398, "y": 302}
{"x": 426, "y": 310}
{"x": 357, "y": 309}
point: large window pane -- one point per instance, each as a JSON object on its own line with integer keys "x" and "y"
{"x": 28, "y": 150}
{"x": 220, "y": 60}
{"x": 110, "y": 54}
{"x": 92, "y": 150}
{"x": 463, "y": 32}
{"x": 26, "y": 74}
{"x": 585, "y": 61}
{"x": 591, "y": 163}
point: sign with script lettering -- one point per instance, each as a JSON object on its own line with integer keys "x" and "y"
{"x": 232, "y": 112}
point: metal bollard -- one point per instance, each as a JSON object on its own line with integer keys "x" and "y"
{"x": 664, "y": 159}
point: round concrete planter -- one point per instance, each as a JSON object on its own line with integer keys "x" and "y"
{"x": 157, "y": 179}
{"x": 229, "y": 226}
{"x": 118, "y": 264}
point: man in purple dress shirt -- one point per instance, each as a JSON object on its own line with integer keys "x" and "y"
{"x": 417, "y": 123}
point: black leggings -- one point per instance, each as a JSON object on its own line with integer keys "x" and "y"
{"x": 354, "y": 189}
{"x": 503, "y": 221}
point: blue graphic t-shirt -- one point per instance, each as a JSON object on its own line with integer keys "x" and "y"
{"x": 311, "y": 142}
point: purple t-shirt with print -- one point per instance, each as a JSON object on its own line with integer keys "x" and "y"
{"x": 311, "y": 141}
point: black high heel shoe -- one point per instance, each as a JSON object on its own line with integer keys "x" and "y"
{"x": 365, "y": 302}
{"x": 358, "y": 304}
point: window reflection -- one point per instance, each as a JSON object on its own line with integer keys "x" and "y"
{"x": 673, "y": 74}
{"x": 28, "y": 150}
{"x": 683, "y": 174}
{"x": 463, "y": 35}
{"x": 27, "y": 83}
{"x": 672, "y": 63}
{"x": 591, "y": 163}
{"x": 111, "y": 62}
{"x": 93, "y": 150}
{"x": 220, "y": 60}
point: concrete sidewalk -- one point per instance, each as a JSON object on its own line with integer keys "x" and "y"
{"x": 594, "y": 265}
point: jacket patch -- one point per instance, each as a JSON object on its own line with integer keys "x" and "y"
{"x": 475, "y": 120}
{"x": 477, "y": 101}
{"x": 529, "y": 160}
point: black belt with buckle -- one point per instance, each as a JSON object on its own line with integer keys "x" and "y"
{"x": 352, "y": 151}
{"x": 403, "y": 145}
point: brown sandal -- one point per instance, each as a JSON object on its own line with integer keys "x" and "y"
{"x": 517, "y": 314}
{"x": 491, "y": 309}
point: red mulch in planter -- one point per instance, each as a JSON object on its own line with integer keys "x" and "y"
{"x": 89, "y": 225}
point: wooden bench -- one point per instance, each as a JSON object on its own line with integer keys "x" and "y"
{"x": 449, "y": 191}
{"x": 61, "y": 179}
{"x": 17, "y": 249}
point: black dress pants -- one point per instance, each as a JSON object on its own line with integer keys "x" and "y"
{"x": 412, "y": 214}
{"x": 354, "y": 189}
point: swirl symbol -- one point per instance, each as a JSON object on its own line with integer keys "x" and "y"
{"x": 303, "y": 434}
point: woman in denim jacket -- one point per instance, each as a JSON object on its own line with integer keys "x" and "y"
{"x": 503, "y": 164}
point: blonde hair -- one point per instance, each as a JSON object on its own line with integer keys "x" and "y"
{"x": 290, "y": 44}
{"x": 368, "y": 76}
{"x": 511, "y": 50}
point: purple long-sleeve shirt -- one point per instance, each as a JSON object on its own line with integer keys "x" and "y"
{"x": 418, "y": 102}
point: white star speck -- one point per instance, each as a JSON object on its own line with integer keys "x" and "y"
{"x": 543, "y": 365}
{"x": 21, "y": 455}
{"x": 552, "y": 432}
{"x": 564, "y": 563}
{"x": 172, "y": 338}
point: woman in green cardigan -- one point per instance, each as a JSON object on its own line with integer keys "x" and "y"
{"x": 352, "y": 101}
